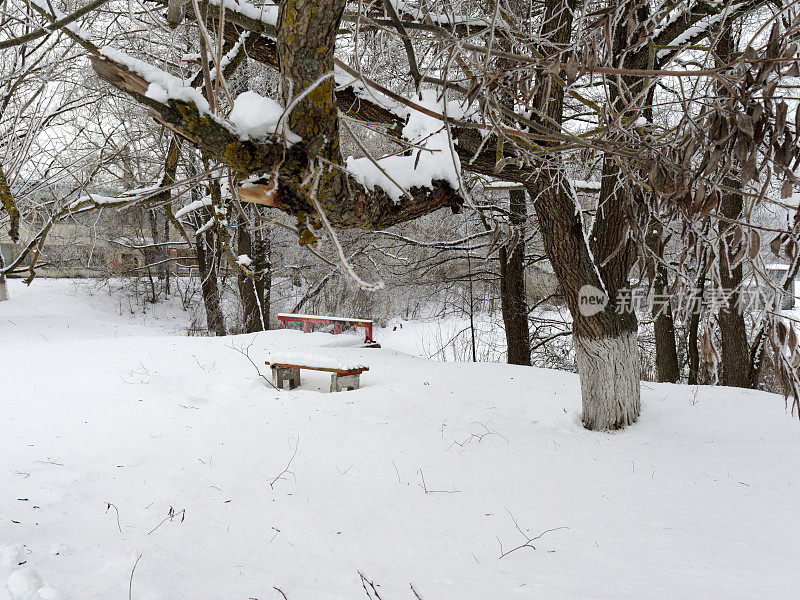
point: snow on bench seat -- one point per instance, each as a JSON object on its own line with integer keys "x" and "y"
{"x": 301, "y": 359}
{"x": 337, "y": 323}
{"x": 324, "y": 318}
{"x": 345, "y": 374}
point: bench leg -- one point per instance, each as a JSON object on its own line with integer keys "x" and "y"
{"x": 344, "y": 382}
{"x": 294, "y": 378}
{"x": 284, "y": 375}
{"x": 337, "y": 328}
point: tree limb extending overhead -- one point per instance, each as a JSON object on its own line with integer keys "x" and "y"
{"x": 352, "y": 205}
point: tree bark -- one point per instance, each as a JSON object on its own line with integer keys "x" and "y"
{"x": 734, "y": 347}
{"x": 255, "y": 306}
{"x": 605, "y": 341}
{"x": 215, "y": 321}
{"x": 667, "y": 366}
{"x": 3, "y": 286}
{"x": 7, "y": 201}
{"x": 305, "y": 44}
{"x": 693, "y": 350}
{"x": 160, "y": 251}
{"x": 513, "y": 298}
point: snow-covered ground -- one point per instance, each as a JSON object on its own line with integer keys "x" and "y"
{"x": 125, "y": 443}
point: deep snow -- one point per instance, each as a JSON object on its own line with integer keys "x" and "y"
{"x": 112, "y": 422}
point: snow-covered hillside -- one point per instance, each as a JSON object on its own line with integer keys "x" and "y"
{"x": 123, "y": 446}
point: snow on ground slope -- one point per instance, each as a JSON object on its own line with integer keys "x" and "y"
{"x": 60, "y": 309}
{"x": 418, "y": 477}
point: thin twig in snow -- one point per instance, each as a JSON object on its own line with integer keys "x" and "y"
{"x": 372, "y": 592}
{"x": 280, "y": 591}
{"x": 528, "y": 539}
{"x": 427, "y": 491}
{"x": 108, "y": 506}
{"x": 130, "y": 583}
{"x": 286, "y": 470}
{"x": 246, "y": 354}
{"x": 171, "y": 515}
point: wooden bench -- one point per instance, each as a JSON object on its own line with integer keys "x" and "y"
{"x": 337, "y": 322}
{"x": 340, "y": 378}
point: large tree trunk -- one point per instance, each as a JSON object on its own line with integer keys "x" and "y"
{"x": 735, "y": 348}
{"x": 513, "y": 299}
{"x": 609, "y": 371}
{"x": 605, "y": 342}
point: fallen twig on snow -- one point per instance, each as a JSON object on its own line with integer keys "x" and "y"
{"x": 109, "y": 505}
{"x": 130, "y": 583}
{"x": 286, "y": 470}
{"x": 528, "y": 539}
{"x": 427, "y": 491}
{"x": 171, "y": 515}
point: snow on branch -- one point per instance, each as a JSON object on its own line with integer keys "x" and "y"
{"x": 266, "y": 14}
{"x": 433, "y": 158}
{"x": 233, "y": 145}
{"x": 193, "y": 206}
{"x": 404, "y": 7}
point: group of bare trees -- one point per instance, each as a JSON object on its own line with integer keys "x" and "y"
{"x": 683, "y": 114}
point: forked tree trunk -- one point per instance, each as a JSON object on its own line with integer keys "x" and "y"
{"x": 605, "y": 342}
{"x": 207, "y": 262}
{"x": 266, "y": 252}
{"x": 513, "y": 299}
{"x": 167, "y": 266}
